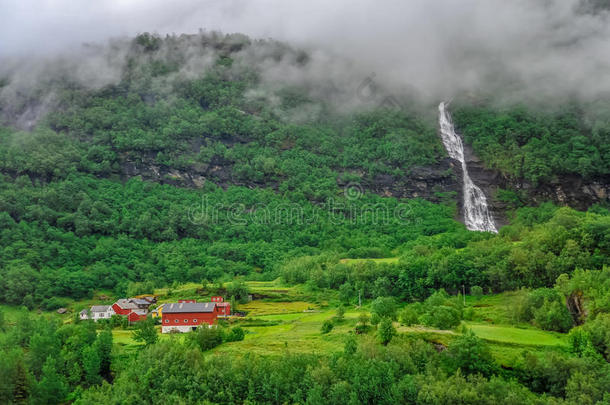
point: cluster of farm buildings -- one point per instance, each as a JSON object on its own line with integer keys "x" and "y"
{"x": 181, "y": 316}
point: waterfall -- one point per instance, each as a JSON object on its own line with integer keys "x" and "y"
{"x": 476, "y": 211}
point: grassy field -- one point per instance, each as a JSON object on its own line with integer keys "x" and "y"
{"x": 518, "y": 336}
{"x": 385, "y": 260}
{"x": 290, "y": 318}
{"x": 296, "y": 332}
{"x": 258, "y": 308}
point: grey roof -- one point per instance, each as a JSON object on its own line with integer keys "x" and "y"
{"x": 100, "y": 308}
{"x": 139, "y": 301}
{"x": 176, "y": 308}
{"x": 84, "y": 311}
{"x": 126, "y": 304}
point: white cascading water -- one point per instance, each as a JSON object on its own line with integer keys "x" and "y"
{"x": 476, "y": 211}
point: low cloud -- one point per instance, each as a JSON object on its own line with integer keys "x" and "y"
{"x": 429, "y": 49}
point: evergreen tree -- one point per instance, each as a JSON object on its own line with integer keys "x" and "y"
{"x": 91, "y": 365}
{"x": 52, "y": 388}
{"x": 104, "y": 346}
{"x": 351, "y": 345}
{"x": 21, "y": 386}
{"x": 385, "y": 331}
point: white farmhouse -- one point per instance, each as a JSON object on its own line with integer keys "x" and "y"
{"x": 97, "y": 312}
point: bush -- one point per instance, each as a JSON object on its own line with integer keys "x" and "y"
{"x": 553, "y": 315}
{"x": 238, "y": 289}
{"x": 363, "y": 323}
{"x": 442, "y": 317}
{"x": 360, "y": 329}
{"x": 327, "y": 326}
{"x": 205, "y": 338}
{"x": 598, "y": 330}
{"x": 580, "y": 342}
{"x": 346, "y": 293}
{"x": 408, "y": 316}
{"x": 384, "y": 307}
{"x": 236, "y": 334}
{"x": 385, "y": 331}
{"x": 340, "y": 316}
{"x": 476, "y": 291}
{"x": 145, "y": 331}
{"x": 469, "y": 354}
{"x": 53, "y": 303}
{"x": 375, "y": 319}
{"x": 529, "y": 302}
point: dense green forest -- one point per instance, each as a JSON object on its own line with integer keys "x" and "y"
{"x": 272, "y": 204}
{"x": 46, "y": 360}
{"x": 537, "y": 146}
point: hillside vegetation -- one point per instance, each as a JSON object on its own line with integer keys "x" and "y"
{"x": 192, "y": 176}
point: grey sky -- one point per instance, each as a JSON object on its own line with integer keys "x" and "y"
{"x": 437, "y": 47}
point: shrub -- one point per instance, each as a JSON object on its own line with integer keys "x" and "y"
{"x": 598, "y": 330}
{"x": 408, "y": 316}
{"x": 553, "y": 315}
{"x": 530, "y": 301}
{"x": 238, "y": 289}
{"x": 385, "y": 331}
{"x": 580, "y": 342}
{"x": 363, "y": 323}
{"x": 327, "y": 326}
{"x": 476, "y": 291}
{"x": 469, "y": 354}
{"x": 53, "y": 303}
{"x": 442, "y": 317}
{"x": 340, "y": 316}
{"x": 384, "y": 307}
{"x": 375, "y": 319}
{"x": 236, "y": 334}
{"x": 346, "y": 293}
{"x": 205, "y": 338}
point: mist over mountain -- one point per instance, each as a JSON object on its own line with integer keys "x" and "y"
{"x": 515, "y": 51}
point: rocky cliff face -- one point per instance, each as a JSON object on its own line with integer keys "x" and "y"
{"x": 571, "y": 191}
{"x": 437, "y": 183}
{"x": 429, "y": 182}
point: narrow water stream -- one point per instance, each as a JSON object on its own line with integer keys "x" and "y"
{"x": 477, "y": 216}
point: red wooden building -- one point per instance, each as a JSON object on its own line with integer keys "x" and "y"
{"x": 187, "y": 316}
{"x": 137, "y": 315}
{"x": 224, "y": 308}
{"x": 134, "y": 309}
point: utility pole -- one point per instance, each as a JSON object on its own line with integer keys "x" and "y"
{"x": 359, "y": 298}
{"x": 464, "y": 294}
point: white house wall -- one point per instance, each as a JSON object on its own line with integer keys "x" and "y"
{"x": 179, "y": 328}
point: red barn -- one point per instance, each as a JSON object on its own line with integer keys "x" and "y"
{"x": 124, "y": 307}
{"x": 224, "y": 309}
{"x": 134, "y": 309}
{"x": 187, "y": 316}
{"x": 137, "y": 315}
